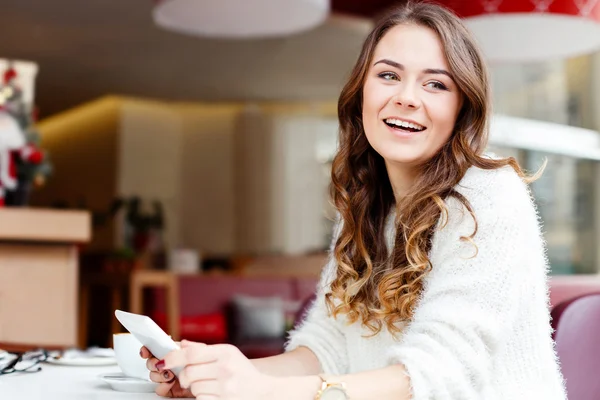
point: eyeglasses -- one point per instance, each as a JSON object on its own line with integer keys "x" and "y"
{"x": 26, "y": 362}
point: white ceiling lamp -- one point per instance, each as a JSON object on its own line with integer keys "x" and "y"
{"x": 532, "y": 30}
{"x": 240, "y": 19}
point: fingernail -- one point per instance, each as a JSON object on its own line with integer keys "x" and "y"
{"x": 141, "y": 353}
{"x": 160, "y": 365}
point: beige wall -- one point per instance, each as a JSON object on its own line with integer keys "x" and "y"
{"x": 207, "y": 178}
{"x": 595, "y": 89}
{"x": 258, "y": 176}
{"x": 82, "y": 144}
{"x": 280, "y": 188}
{"x": 233, "y": 178}
{"x": 304, "y": 184}
{"x": 150, "y": 159}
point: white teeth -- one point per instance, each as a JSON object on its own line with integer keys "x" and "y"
{"x": 404, "y": 124}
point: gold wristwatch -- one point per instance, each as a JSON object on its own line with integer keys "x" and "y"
{"x": 331, "y": 390}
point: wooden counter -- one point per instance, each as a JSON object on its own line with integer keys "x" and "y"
{"x": 39, "y": 276}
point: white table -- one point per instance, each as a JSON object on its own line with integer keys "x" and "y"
{"x": 56, "y": 382}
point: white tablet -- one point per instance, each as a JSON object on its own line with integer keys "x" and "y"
{"x": 149, "y": 334}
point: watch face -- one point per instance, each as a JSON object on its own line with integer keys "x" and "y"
{"x": 333, "y": 393}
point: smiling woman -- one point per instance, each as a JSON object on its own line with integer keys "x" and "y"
{"x": 436, "y": 285}
{"x": 410, "y": 101}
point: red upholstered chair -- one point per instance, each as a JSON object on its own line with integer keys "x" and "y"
{"x": 557, "y": 311}
{"x": 578, "y": 345}
{"x": 206, "y": 312}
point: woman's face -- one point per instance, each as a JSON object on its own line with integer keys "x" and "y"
{"x": 410, "y": 101}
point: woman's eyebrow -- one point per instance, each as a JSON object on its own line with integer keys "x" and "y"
{"x": 430, "y": 71}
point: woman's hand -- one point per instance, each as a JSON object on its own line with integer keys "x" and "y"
{"x": 217, "y": 372}
{"x": 169, "y": 384}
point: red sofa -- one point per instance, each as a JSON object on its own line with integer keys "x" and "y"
{"x": 206, "y": 308}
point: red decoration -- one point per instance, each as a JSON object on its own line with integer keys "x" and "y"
{"x": 9, "y": 75}
{"x": 30, "y": 153}
{"x": 577, "y": 8}
{"x": 473, "y": 8}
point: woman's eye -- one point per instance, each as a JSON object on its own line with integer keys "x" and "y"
{"x": 388, "y": 76}
{"x": 437, "y": 85}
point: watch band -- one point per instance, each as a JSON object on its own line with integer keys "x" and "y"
{"x": 328, "y": 383}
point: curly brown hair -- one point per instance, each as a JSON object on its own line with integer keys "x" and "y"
{"x": 370, "y": 285}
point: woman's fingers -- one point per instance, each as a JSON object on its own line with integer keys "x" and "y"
{"x": 197, "y": 372}
{"x": 197, "y": 353}
{"x": 145, "y": 353}
{"x": 151, "y": 364}
{"x": 165, "y": 376}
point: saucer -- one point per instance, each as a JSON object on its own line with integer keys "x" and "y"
{"x": 121, "y": 383}
{"x": 91, "y": 357}
{"x": 83, "y": 362}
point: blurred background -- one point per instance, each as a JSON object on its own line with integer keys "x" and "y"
{"x": 179, "y": 152}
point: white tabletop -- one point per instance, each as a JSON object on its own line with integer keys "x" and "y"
{"x": 57, "y": 382}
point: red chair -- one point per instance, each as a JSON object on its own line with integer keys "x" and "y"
{"x": 577, "y": 339}
{"x": 558, "y": 310}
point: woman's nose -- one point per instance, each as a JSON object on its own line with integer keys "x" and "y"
{"x": 407, "y": 97}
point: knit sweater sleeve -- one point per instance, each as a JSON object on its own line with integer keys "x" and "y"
{"x": 319, "y": 331}
{"x": 470, "y": 298}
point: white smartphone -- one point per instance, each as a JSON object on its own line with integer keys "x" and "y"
{"x": 149, "y": 334}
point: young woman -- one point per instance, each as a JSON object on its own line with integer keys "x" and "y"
{"x": 436, "y": 286}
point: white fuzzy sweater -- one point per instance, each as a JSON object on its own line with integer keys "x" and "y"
{"x": 481, "y": 328}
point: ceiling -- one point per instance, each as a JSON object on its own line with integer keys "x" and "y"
{"x": 86, "y": 49}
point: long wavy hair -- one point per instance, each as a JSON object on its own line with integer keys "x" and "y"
{"x": 370, "y": 285}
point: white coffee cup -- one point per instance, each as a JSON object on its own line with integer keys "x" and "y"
{"x": 127, "y": 351}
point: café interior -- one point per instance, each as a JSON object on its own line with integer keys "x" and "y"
{"x": 177, "y": 162}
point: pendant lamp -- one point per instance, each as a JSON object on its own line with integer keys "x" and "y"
{"x": 532, "y": 30}
{"x": 240, "y": 19}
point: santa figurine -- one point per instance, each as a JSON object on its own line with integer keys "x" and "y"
{"x": 13, "y": 144}
{"x": 11, "y": 139}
